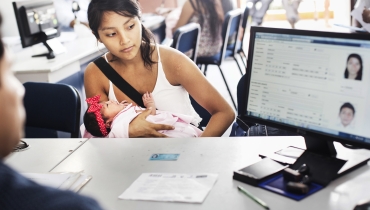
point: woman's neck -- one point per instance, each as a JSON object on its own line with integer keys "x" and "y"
{"x": 352, "y": 76}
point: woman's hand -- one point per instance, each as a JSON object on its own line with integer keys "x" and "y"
{"x": 140, "y": 127}
{"x": 366, "y": 15}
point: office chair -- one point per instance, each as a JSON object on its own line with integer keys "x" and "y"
{"x": 51, "y": 108}
{"x": 230, "y": 29}
{"x": 239, "y": 48}
{"x": 185, "y": 39}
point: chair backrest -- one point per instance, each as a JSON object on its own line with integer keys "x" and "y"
{"x": 186, "y": 38}
{"x": 244, "y": 25}
{"x": 230, "y": 30}
{"x": 240, "y": 94}
{"x": 50, "y": 108}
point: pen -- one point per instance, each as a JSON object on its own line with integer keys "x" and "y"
{"x": 257, "y": 200}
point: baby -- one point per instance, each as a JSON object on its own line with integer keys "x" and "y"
{"x": 111, "y": 118}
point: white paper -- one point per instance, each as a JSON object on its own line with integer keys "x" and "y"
{"x": 190, "y": 188}
{"x": 66, "y": 181}
{"x": 51, "y": 180}
{"x": 349, "y": 193}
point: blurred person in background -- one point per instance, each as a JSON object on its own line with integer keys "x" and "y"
{"x": 258, "y": 9}
{"x": 210, "y": 16}
{"x": 291, "y": 11}
{"x": 70, "y": 12}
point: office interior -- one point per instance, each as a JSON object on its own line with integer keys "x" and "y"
{"x": 313, "y": 16}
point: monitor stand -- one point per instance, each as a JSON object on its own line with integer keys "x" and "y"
{"x": 354, "y": 158}
{"x": 50, "y": 53}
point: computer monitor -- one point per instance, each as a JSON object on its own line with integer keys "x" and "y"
{"x": 37, "y": 22}
{"x": 313, "y": 83}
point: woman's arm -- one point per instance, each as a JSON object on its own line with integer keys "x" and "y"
{"x": 96, "y": 83}
{"x": 186, "y": 13}
{"x": 180, "y": 70}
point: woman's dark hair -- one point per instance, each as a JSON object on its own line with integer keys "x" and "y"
{"x": 349, "y": 106}
{"x": 127, "y": 8}
{"x": 216, "y": 17}
{"x": 2, "y": 48}
{"x": 92, "y": 126}
{"x": 359, "y": 73}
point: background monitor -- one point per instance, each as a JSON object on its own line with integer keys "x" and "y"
{"x": 37, "y": 22}
{"x": 316, "y": 84}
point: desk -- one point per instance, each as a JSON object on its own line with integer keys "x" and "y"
{"x": 116, "y": 163}
{"x": 43, "y": 154}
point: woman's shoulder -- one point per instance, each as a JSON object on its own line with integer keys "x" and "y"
{"x": 170, "y": 55}
{"x": 93, "y": 69}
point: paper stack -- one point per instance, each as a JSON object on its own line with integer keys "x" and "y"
{"x": 73, "y": 181}
{"x": 189, "y": 188}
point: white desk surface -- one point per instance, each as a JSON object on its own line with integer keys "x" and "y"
{"x": 43, "y": 154}
{"x": 40, "y": 69}
{"x": 116, "y": 163}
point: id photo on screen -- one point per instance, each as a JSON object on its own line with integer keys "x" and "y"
{"x": 354, "y": 67}
{"x": 346, "y": 116}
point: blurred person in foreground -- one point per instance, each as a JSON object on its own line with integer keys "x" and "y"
{"x": 18, "y": 192}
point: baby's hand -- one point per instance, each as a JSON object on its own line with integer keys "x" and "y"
{"x": 148, "y": 100}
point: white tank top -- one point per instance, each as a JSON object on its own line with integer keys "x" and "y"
{"x": 166, "y": 96}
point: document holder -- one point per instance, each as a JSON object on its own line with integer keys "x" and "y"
{"x": 258, "y": 172}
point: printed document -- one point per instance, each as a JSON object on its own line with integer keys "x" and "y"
{"x": 190, "y": 188}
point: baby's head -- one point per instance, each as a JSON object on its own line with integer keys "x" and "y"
{"x": 99, "y": 116}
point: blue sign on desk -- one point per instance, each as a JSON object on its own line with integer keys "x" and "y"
{"x": 164, "y": 156}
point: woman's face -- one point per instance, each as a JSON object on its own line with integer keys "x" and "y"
{"x": 353, "y": 66}
{"x": 11, "y": 108}
{"x": 121, "y": 35}
{"x": 346, "y": 116}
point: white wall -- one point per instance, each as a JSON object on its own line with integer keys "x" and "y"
{"x": 9, "y": 26}
{"x": 342, "y": 13}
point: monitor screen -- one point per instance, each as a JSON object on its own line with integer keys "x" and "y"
{"x": 35, "y": 19}
{"x": 310, "y": 82}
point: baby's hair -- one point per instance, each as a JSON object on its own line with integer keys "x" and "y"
{"x": 92, "y": 126}
{"x": 349, "y": 106}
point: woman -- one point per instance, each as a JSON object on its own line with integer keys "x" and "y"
{"x": 354, "y": 67}
{"x": 164, "y": 71}
{"x": 210, "y": 16}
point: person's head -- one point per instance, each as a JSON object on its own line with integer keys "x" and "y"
{"x": 99, "y": 116}
{"x": 354, "y": 67}
{"x": 117, "y": 25}
{"x": 214, "y": 12}
{"x": 11, "y": 105}
{"x": 346, "y": 114}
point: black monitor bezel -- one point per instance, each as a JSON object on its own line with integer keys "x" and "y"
{"x": 29, "y": 40}
{"x": 300, "y": 131}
